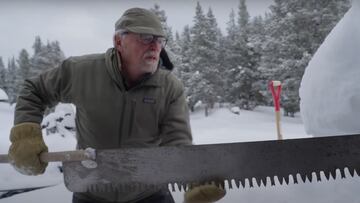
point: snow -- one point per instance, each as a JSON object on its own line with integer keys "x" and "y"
{"x": 3, "y": 95}
{"x": 221, "y": 126}
{"x": 235, "y": 110}
{"x": 61, "y": 120}
{"x": 330, "y": 90}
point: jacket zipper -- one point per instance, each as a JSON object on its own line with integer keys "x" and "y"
{"x": 122, "y": 119}
{"x": 132, "y": 117}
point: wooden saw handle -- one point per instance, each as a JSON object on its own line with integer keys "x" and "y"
{"x": 77, "y": 155}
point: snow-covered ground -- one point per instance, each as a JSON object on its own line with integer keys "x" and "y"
{"x": 220, "y": 127}
{"x": 3, "y": 95}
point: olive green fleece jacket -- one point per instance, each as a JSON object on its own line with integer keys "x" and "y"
{"x": 152, "y": 113}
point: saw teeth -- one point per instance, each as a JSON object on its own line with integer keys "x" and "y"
{"x": 348, "y": 171}
{"x": 179, "y": 186}
{"x": 272, "y": 181}
{"x": 303, "y": 177}
{"x": 342, "y": 172}
{"x": 352, "y": 171}
{"x": 188, "y": 187}
{"x": 286, "y": 178}
{"x": 222, "y": 184}
{"x": 295, "y": 179}
{"x": 183, "y": 186}
{"x": 230, "y": 184}
{"x": 327, "y": 175}
{"x": 264, "y": 181}
{"x": 318, "y": 176}
{"x": 173, "y": 187}
{"x": 242, "y": 182}
{"x": 251, "y": 183}
{"x": 356, "y": 172}
{"x": 239, "y": 183}
{"x": 310, "y": 177}
{"x": 258, "y": 181}
{"x": 281, "y": 180}
{"x": 333, "y": 174}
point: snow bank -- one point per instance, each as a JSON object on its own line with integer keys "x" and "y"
{"x": 330, "y": 90}
{"x": 3, "y": 95}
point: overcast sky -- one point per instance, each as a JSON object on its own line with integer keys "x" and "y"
{"x": 85, "y": 26}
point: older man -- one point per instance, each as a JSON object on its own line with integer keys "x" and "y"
{"x": 125, "y": 97}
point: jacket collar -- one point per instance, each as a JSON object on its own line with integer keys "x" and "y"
{"x": 113, "y": 66}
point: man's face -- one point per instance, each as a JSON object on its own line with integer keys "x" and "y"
{"x": 139, "y": 53}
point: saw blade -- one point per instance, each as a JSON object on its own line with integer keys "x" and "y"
{"x": 239, "y": 164}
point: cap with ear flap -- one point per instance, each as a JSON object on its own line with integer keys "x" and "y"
{"x": 166, "y": 60}
{"x": 139, "y": 20}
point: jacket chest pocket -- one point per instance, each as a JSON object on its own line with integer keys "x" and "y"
{"x": 145, "y": 119}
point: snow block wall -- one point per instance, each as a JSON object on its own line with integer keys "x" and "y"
{"x": 330, "y": 87}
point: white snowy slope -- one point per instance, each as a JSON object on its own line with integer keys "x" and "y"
{"x": 221, "y": 126}
{"x": 3, "y": 95}
{"x": 330, "y": 88}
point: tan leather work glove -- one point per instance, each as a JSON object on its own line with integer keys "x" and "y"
{"x": 204, "y": 194}
{"x": 26, "y": 146}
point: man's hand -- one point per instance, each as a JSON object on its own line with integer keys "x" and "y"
{"x": 26, "y": 146}
{"x": 204, "y": 194}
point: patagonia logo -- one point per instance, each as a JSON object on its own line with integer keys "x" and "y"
{"x": 149, "y": 100}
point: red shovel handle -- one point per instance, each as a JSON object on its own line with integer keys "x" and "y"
{"x": 276, "y": 95}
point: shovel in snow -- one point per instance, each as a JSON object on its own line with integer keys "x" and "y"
{"x": 275, "y": 88}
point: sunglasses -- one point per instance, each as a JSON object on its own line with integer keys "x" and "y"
{"x": 147, "y": 39}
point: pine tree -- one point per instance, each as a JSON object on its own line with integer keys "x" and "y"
{"x": 2, "y": 75}
{"x": 45, "y": 57}
{"x": 198, "y": 38}
{"x": 257, "y": 34}
{"x": 204, "y": 50}
{"x": 185, "y": 42}
{"x": 24, "y": 64}
{"x": 242, "y": 62}
{"x": 232, "y": 28}
{"x": 12, "y": 80}
{"x": 196, "y": 60}
{"x": 243, "y": 20}
{"x": 38, "y": 45}
{"x": 179, "y": 70}
{"x": 184, "y": 70}
{"x": 295, "y": 30}
{"x": 215, "y": 66}
{"x": 23, "y": 70}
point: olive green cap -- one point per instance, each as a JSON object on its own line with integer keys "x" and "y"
{"x": 139, "y": 20}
